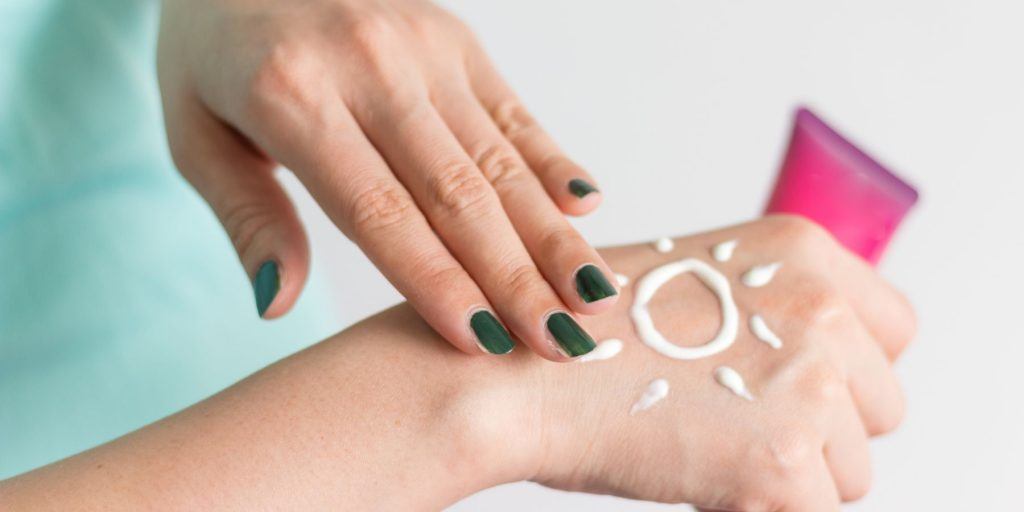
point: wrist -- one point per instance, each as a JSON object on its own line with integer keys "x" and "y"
{"x": 495, "y": 415}
{"x": 476, "y": 416}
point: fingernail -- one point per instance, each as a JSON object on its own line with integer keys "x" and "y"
{"x": 569, "y": 335}
{"x": 266, "y": 285}
{"x": 592, "y": 285}
{"x": 491, "y": 335}
{"x": 580, "y": 188}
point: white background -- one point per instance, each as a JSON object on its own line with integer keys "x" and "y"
{"x": 681, "y": 109}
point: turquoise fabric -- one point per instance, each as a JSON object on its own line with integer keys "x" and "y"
{"x": 121, "y": 300}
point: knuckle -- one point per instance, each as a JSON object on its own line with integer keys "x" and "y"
{"x": 500, "y": 166}
{"x": 522, "y": 280}
{"x": 370, "y": 34}
{"x": 788, "y": 453}
{"x": 459, "y": 189}
{"x": 244, "y": 221}
{"x": 800, "y": 232}
{"x": 282, "y": 78}
{"x": 821, "y": 306}
{"x": 378, "y": 207}
{"x": 552, "y": 162}
{"x": 441, "y": 275}
{"x": 823, "y": 383}
{"x": 512, "y": 118}
{"x": 559, "y": 241}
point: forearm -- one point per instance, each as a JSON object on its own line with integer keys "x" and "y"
{"x": 384, "y": 415}
{"x": 387, "y": 415}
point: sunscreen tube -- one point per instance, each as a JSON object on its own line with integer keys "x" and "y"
{"x": 827, "y": 179}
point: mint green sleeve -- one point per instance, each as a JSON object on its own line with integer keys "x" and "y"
{"x": 121, "y": 300}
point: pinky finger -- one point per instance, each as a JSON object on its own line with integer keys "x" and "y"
{"x": 571, "y": 187}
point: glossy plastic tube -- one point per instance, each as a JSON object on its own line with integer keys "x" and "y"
{"x": 827, "y": 179}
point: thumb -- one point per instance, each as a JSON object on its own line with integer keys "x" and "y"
{"x": 238, "y": 183}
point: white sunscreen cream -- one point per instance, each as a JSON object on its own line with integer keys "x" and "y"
{"x": 763, "y": 333}
{"x": 606, "y": 349}
{"x": 732, "y": 381}
{"x": 723, "y": 252}
{"x": 664, "y": 245}
{"x": 622, "y": 279}
{"x": 655, "y": 391}
{"x": 760, "y": 275}
{"x": 714, "y": 280}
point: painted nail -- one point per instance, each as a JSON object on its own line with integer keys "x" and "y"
{"x": 592, "y": 285}
{"x": 569, "y": 335}
{"x": 491, "y": 335}
{"x": 580, "y": 188}
{"x": 266, "y": 285}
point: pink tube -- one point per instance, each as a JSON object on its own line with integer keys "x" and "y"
{"x": 827, "y": 179}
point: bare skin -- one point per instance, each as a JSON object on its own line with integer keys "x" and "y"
{"x": 386, "y": 416}
{"x": 395, "y": 120}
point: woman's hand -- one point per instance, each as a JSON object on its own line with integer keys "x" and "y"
{"x": 800, "y": 445}
{"x": 387, "y": 416}
{"x": 391, "y": 115}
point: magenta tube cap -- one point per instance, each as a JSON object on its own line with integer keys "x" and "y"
{"x": 827, "y": 179}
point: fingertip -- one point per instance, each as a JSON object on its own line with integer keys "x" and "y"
{"x": 595, "y": 291}
{"x": 566, "y": 337}
{"x": 277, "y": 286}
{"x": 579, "y": 197}
{"x": 490, "y": 334}
{"x": 596, "y": 307}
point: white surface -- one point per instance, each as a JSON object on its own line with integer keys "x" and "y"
{"x": 680, "y": 109}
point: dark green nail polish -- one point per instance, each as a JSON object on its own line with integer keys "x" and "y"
{"x": 580, "y": 188}
{"x": 266, "y": 284}
{"x": 592, "y": 285}
{"x": 492, "y": 335}
{"x": 569, "y": 335}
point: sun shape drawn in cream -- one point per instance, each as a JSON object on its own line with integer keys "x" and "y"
{"x": 648, "y": 285}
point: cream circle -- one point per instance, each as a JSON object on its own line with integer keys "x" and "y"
{"x": 714, "y": 280}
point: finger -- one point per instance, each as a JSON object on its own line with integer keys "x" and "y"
{"x": 572, "y": 188}
{"x": 873, "y": 385}
{"x": 847, "y": 453}
{"x": 350, "y": 180}
{"x": 464, "y": 210}
{"x": 576, "y": 271}
{"x": 885, "y": 311}
{"x": 816, "y": 493}
{"x": 238, "y": 184}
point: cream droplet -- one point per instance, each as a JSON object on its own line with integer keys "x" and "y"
{"x": 655, "y": 391}
{"x": 763, "y": 333}
{"x": 732, "y": 380}
{"x": 606, "y": 349}
{"x": 760, "y": 275}
{"x": 723, "y": 252}
{"x": 623, "y": 280}
{"x": 664, "y": 245}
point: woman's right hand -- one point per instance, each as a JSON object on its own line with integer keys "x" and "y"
{"x": 800, "y": 445}
{"x": 395, "y": 120}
